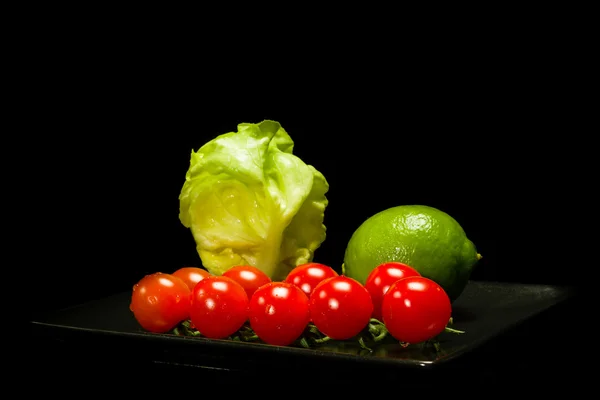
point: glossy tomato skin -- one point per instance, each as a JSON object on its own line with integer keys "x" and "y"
{"x": 219, "y": 306}
{"x": 308, "y": 276}
{"x": 251, "y": 278}
{"x": 415, "y": 309}
{"x": 278, "y": 313}
{"x": 340, "y": 307}
{"x": 382, "y": 277}
{"x": 191, "y": 275}
{"x": 160, "y": 301}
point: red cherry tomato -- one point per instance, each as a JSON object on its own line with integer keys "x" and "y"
{"x": 308, "y": 276}
{"x": 251, "y": 278}
{"x": 415, "y": 309}
{"x": 160, "y": 301}
{"x": 340, "y": 307}
{"x": 219, "y": 306}
{"x": 278, "y": 313}
{"x": 381, "y": 278}
{"x": 191, "y": 275}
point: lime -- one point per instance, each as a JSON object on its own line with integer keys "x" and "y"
{"x": 423, "y": 237}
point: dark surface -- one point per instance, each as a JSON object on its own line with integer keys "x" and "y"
{"x": 539, "y": 355}
{"x": 484, "y": 311}
{"x": 508, "y": 329}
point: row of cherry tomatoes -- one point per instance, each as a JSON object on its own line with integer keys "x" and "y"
{"x": 412, "y": 308}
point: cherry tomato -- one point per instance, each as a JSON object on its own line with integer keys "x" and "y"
{"x": 415, "y": 309}
{"x": 278, "y": 313}
{"x": 191, "y": 275}
{"x": 160, "y": 301}
{"x": 381, "y": 278}
{"x": 307, "y": 276}
{"x": 251, "y": 278}
{"x": 340, "y": 307}
{"x": 219, "y": 306}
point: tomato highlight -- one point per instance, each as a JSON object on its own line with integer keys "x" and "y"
{"x": 308, "y": 276}
{"x": 251, "y": 278}
{"x": 191, "y": 275}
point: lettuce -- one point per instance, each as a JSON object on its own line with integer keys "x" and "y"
{"x": 249, "y": 201}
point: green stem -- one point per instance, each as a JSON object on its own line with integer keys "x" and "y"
{"x": 362, "y": 343}
{"x": 377, "y": 330}
{"x": 382, "y": 335}
{"x": 450, "y": 330}
{"x": 313, "y": 329}
{"x": 322, "y": 340}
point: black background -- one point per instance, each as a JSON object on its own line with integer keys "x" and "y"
{"x": 117, "y": 137}
{"x": 484, "y": 127}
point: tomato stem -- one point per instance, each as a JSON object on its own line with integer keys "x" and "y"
{"x": 377, "y": 330}
{"x": 363, "y": 345}
{"x": 374, "y": 333}
{"x": 313, "y": 329}
{"x": 382, "y": 335}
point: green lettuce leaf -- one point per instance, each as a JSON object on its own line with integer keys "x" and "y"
{"x": 249, "y": 201}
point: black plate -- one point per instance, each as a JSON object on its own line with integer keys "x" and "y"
{"x": 484, "y": 311}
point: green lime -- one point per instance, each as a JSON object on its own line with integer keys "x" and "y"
{"x": 423, "y": 237}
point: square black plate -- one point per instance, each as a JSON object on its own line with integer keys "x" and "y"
{"x": 484, "y": 311}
